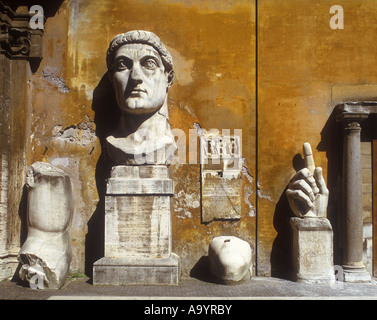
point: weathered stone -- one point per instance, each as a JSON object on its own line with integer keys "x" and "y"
{"x": 307, "y": 193}
{"x": 230, "y": 258}
{"x": 141, "y": 70}
{"x": 137, "y": 204}
{"x": 138, "y": 229}
{"x": 312, "y": 250}
{"x": 221, "y": 184}
{"x": 136, "y": 271}
{"x": 46, "y": 253}
{"x": 352, "y": 197}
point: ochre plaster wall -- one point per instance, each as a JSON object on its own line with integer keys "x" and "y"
{"x": 213, "y": 48}
{"x": 305, "y": 68}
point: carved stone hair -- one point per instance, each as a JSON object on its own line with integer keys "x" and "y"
{"x": 144, "y": 37}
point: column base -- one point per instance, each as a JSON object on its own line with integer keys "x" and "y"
{"x": 355, "y": 274}
{"x": 137, "y": 271}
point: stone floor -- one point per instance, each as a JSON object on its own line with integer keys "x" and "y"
{"x": 258, "y": 288}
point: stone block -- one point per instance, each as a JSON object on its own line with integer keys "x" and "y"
{"x": 137, "y": 271}
{"x": 221, "y": 185}
{"x": 138, "y": 228}
{"x": 312, "y": 250}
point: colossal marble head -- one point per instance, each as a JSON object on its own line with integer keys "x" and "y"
{"x": 141, "y": 70}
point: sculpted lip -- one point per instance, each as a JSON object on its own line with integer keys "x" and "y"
{"x": 136, "y": 92}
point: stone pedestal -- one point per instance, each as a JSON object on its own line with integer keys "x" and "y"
{"x": 138, "y": 229}
{"x": 312, "y": 250}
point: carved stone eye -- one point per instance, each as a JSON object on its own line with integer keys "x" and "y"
{"x": 122, "y": 65}
{"x": 150, "y": 64}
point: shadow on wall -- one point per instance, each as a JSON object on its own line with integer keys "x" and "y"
{"x": 22, "y": 213}
{"x": 332, "y": 144}
{"x": 106, "y": 118}
{"x": 281, "y": 253}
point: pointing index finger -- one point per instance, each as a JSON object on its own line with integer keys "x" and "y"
{"x": 308, "y": 157}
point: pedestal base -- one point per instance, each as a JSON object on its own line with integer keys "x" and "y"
{"x": 313, "y": 250}
{"x": 137, "y": 271}
{"x": 355, "y": 274}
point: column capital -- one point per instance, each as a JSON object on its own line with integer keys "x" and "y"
{"x": 351, "y": 126}
{"x": 354, "y": 118}
{"x": 355, "y": 112}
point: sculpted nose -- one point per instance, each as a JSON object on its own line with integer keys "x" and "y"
{"x": 135, "y": 73}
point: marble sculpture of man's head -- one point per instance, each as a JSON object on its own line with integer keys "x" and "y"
{"x": 141, "y": 71}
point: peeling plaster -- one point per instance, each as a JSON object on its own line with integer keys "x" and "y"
{"x": 61, "y": 162}
{"x": 261, "y": 194}
{"x": 185, "y": 202}
{"x": 247, "y": 192}
{"x": 246, "y": 173}
{"x": 82, "y": 134}
{"x": 55, "y": 80}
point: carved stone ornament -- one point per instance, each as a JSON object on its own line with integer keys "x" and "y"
{"x": 17, "y": 39}
{"x": 18, "y": 42}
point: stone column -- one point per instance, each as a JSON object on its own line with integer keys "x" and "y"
{"x": 352, "y": 204}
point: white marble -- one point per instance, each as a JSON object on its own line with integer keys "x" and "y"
{"x": 230, "y": 258}
{"x": 46, "y": 253}
{"x": 307, "y": 193}
{"x": 141, "y": 71}
{"x": 138, "y": 244}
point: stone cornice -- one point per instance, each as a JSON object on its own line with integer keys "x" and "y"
{"x": 355, "y": 111}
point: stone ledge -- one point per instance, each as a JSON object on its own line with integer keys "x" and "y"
{"x": 310, "y": 224}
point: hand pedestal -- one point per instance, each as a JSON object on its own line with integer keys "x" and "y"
{"x": 312, "y": 250}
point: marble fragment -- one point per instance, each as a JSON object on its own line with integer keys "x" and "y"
{"x": 230, "y": 258}
{"x": 46, "y": 254}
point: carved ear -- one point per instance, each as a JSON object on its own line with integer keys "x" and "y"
{"x": 171, "y": 76}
